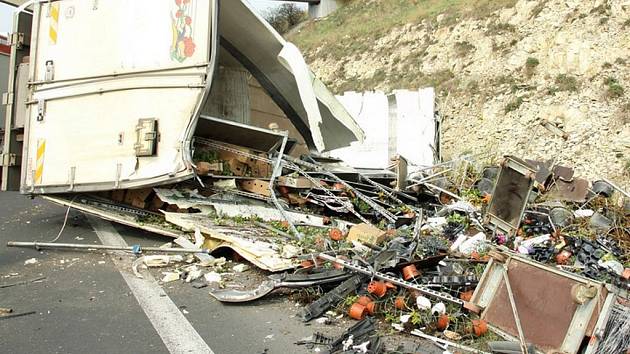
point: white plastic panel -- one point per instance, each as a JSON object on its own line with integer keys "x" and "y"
{"x": 403, "y": 125}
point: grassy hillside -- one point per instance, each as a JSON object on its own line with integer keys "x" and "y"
{"x": 358, "y": 22}
{"x": 503, "y": 70}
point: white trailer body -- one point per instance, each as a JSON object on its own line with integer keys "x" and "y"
{"x": 116, "y": 88}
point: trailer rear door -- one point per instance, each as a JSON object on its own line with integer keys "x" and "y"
{"x": 115, "y": 86}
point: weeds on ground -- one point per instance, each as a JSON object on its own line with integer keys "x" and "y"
{"x": 375, "y": 19}
{"x": 462, "y": 49}
{"x": 564, "y": 82}
{"x": 514, "y": 105}
{"x": 614, "y": 89}
{"x": 530, "y": 66}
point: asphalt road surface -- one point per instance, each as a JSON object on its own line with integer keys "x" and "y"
{"x": 90, "y": 302}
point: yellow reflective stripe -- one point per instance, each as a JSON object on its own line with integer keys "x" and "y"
{"x": 54, "y": 22}
{"x": 39, "y": 170}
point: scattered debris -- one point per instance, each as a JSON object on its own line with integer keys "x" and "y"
{"x": 459, "y": 254}
{"x": 31, "y": 261}
{"x": 170, "y": 277}
{"x": 38, "y": 279}
{"x": 240, "y": 268}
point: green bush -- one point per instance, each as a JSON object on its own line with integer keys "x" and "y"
{"x": 565, "y": 82}
{"x": 285, "y": 17}
{"x": 615, "y": 91}
{"x": 531, "y": 63}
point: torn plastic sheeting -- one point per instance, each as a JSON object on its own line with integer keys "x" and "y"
{"x": 262, "y": 254}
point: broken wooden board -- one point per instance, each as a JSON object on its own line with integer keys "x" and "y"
{"x": 295, "y": 182}
{"x": 253, "y": 244}
{"x": 255, "y": 186}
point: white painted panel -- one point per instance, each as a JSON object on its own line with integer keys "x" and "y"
{"x": 414, "y": 129}
{"x": 96, "y": 98}
{"x": 416, "y": 126}
{"x": 113, "y": 36}
{"x": 370, "y": 110}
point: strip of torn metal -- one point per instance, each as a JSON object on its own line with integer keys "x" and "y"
{"x": 281, "y": 69}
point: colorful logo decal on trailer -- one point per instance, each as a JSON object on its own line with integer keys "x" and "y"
{"x": 183, "y": 46}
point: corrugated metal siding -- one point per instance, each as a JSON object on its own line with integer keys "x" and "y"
{"x": 229, "y": 98}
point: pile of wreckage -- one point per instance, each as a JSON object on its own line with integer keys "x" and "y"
{"x": 517, "y": 257}
{"x": 520, "y": 256}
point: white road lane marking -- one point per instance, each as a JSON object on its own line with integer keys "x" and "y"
{"x": 176, "y": 332}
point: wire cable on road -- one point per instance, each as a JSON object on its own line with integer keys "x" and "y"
{"x": 65, "y": 220}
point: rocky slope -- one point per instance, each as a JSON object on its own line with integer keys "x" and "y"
{"x": 502, "y": 75}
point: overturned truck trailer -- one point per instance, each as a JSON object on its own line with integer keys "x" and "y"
{"x": 108, "y": 99}
{"x": 117, "y": 91}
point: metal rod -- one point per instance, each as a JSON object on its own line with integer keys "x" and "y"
{"x": 616, "y": 187}
{"x": 393, "y": 280}
{"x": 273, "y": 229}
{"x": 443, "y": 190}
{"x": 521, "y": 336}
{"x": 419, "y": 333}
{"x": 17, "y": 315}
{"x": 2, "y": 286}
{"x": 277, "y": 170}
{"x": 428, "y": 178}
{"x": 38, "y": 245}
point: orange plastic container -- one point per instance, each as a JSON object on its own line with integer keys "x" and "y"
{"x": 335, "y": 234}
{"x": 364, "y": 300}
{"x": 377, "y": 288}
{"x": 409, "y": 272}
{"x": 479, "y": 327}
{"x": 400, "y": 303}
{"x": 357, "y": 311}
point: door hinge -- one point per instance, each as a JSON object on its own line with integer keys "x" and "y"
{"x": 50, "y": 70}
{"x": 9, "y": 160}
{"x": 146, "y": 137}
{"x": 17, "y": 39}
{"x": 41, "y": 109}
{"x": 7, "y": 98}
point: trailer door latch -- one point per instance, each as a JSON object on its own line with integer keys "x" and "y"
{"x": 146, "y": 137}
